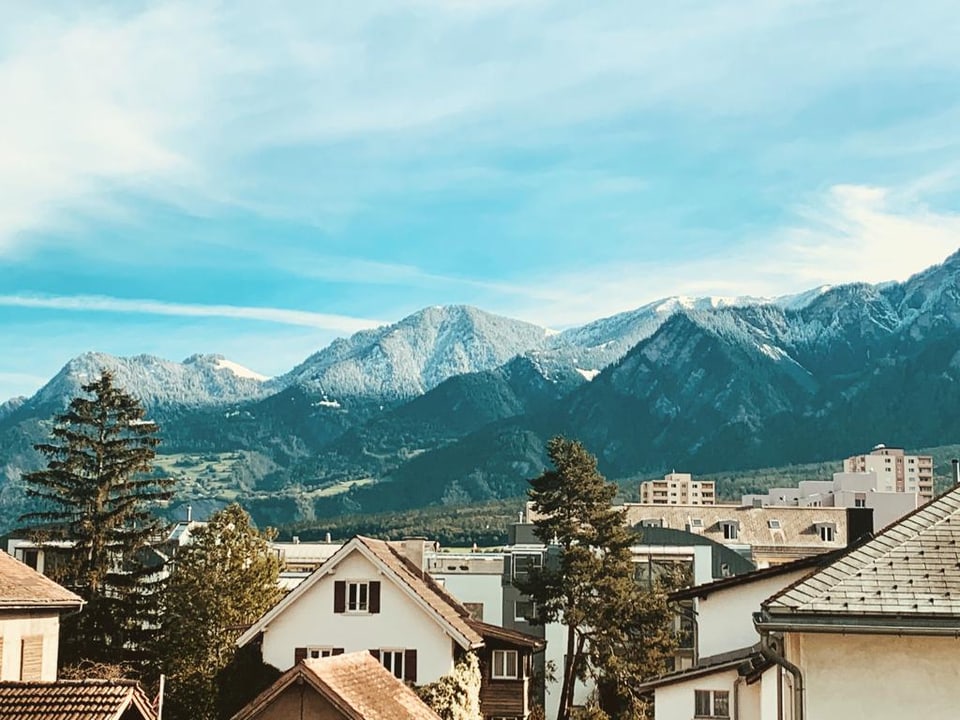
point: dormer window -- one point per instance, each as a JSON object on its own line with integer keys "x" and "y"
{"x": 695, "y": 525}
{"x": 652, "y": 522}
{"x": 827, "y": 531}
{"x": 730, "y": 528}
{"x": 774, "y": 524}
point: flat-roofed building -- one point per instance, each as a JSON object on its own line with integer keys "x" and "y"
{"x": 896, "y": 471}
{"x": 678, "y": 489}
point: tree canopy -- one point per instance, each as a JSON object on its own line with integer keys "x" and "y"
{"x": 223, "y": 580}
{"x": 97, "y": 494}
{"x": 617, "y": 632}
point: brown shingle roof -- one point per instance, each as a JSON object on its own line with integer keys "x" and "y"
{"x": 73, "y": 700}
{"x": 22, "y": 586}
{"x": 912, "y": 568}
{"x": 359, "y": 686}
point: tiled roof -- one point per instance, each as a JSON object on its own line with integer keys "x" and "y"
{"x": 22, "y": 586}
{"x": 746, "y": 660}
{"x": 359, "y": 686}
{"x": 796, "y": 525}
{"x": 73, "y": 700}
{"x": 912, "y": 568}
{"x": 504, "y": 635}
{"x": 424, "y": 586}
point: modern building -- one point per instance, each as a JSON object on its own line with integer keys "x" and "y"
{"x": 678, "y": 489}
{"x": 895, "y": 470}
{"x": 846, "y": 490}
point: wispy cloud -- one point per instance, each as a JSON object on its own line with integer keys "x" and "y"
{"x": 92, "y": 303}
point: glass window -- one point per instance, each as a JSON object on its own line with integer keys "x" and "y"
{"x": 524, "y": 610}
{"x": 358, "y": 594}
{"x": 523, "y": 563}
{"x": 505, "y": 664}
{"x": 392, "y": 660}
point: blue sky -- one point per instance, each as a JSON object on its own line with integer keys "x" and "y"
{"x": 256, "y": 179}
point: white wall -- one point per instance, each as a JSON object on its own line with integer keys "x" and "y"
{"x": 556, "y": 636}
{"x": 13, "y": 628}
{"x": 469, "y": 588}
{"x": 875, "y": 677}
{"x": 725, "y": 617}
{"x": 400, "y": 624}
{"x": 676, "y": 701}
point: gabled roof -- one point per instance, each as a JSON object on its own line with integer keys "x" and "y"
{"x": 356, "y": 684}
{"x": 497, "y": 634}
{"x": 73, "y": 700}
{"x": 417, "y": 584}
{"x": 910, "y": 570}
{"x": 23, "y": 587}
{"x": 747, "y": 661}
{"x": 702, "y": 591}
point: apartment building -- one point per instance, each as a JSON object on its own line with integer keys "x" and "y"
{"x": 896, "y": 471}
{"x": 678, "y": 489}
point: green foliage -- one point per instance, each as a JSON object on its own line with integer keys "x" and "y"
{"x": 617, "y": 632}
{"x": 223, "y": 580}
{"x": 97, "y": 491}
{"x": 456, "y": 696}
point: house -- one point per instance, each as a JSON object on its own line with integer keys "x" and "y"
{"x": 75, "y": 700}
{"x": 765, "y": 535}
{"x": 876, "y": 632}
{"x": 30, "y": 609}
{"x": 376, "y": 596}
{"x": 352, "y": 686}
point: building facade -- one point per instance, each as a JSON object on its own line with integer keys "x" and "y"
{"x": 678, "y": 489}
{"x": 895, "y": 470}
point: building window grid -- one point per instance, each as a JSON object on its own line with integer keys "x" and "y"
{"x": 358, "y": 597}
{"x": 711, "y": 704}
{"x": 392, "y": 660}
{"x": 505, "y": 665}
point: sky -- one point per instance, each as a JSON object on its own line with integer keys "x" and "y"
{"x": 255, "y": 179}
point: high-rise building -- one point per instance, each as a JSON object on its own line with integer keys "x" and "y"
{"x": 678, "y": 489}
{"x": 896, "y": 471}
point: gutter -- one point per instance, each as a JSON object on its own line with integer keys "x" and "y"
{"x": 764, "y": 622}
{"x": 771, "y": 647}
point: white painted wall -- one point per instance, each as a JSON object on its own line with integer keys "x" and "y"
{"x": 486, "y": 589}
{"x": 725, "y": 617}
{"x": 556, "y": 636}
{"x": 16, "y": 626}
{"x": 400, "y": 624}
{"x": 878, "y": 677}
{"x": 676, "y": 701}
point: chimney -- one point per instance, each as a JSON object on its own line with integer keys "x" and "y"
{"x": 296, "y": 539}
{"x": 190, "y": 512}
{"x": 413, "y": 550}
{"x": 956, "y": 471}
{"x": 327, "y": 539}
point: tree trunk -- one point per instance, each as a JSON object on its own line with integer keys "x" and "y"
{"x": 566, "y": 690}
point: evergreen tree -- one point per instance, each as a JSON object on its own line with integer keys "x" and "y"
{"x": 97, "y": 493}
{"x": 223, "y": 580}
{"x": 617, "y": 632}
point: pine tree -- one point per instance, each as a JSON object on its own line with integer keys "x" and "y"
{"x": 223, "y": 580}
{"x": 616, "y": 632}
{"x": 96, "y": 492}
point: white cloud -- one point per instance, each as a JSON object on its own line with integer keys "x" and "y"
{"x": 850, "y": 234}
{"x": 92, "y": 303}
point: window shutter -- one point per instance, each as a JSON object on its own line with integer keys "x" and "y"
{"x": 410, "y": 665}
{"x": 299, "y": 654}
{"x": 339, "y": 596}
{"x": 31, "y": 658}
{"x": 337, "y": 651}
{"x": 374, "y": 603}
{"x": 375, "y": 652}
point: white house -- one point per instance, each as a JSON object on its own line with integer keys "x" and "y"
{"x": 377, "y": 596}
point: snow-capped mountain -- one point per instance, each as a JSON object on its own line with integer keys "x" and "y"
{"x": 416, "y": 354}
{"x": 11, "y": 405}
{"x": 198, "y": 380}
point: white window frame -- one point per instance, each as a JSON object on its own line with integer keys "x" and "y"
{"x": 712, "y": 696}
{"x": 319, "y": 651}
{"x": 522, "y": 618}
{"x": 357, "y": 600}
{"x": 392, "y": 660}
{"x": 536, "y": 563}
{"x": 504, "y": 671}
{"x": 828, "y": 532}
{"x": 731, "y": 529}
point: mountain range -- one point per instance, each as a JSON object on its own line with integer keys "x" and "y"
{"x": 453, "y": 404}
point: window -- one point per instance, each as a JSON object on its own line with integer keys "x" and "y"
{"x": 730, "y": 529}
{"x": 505, "y": 665}
{"x": 523, "y": 563}
{"x": 652, "y": 522}
{"x": 319, "y": 652}
{"x": 475, "y": 609}
{"x": 774, "y": 524}
{"x": 392, "y": 660}
{"x": 524, "y": 609}
{"x": 711, "y": 704}
{"x": 358, "y": 595}
{"x": 827, "y": 531}
{"x": 860, "y": 500}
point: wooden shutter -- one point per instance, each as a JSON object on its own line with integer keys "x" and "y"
{"x": 337, "y": 651}
{"x": 410, "y": 665}
{"x": 299, "y": 654}
{"x": 374, "y": 601}
{"x": 31, "y": 658}
{"x": 375, "y": 652}
{"x": 340, "y": 596}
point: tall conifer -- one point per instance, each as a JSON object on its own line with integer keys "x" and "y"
{"x": 96, "y": 493}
